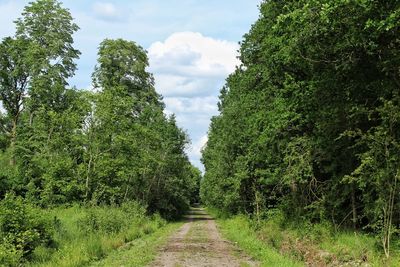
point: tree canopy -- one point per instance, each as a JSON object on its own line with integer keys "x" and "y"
{"x": 308, "y": 123}
{"x": 107, "y": 146}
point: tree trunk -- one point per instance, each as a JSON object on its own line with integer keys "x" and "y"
{"x": 88, "y": 178}
{"x": 353, "y": 206}
{"x": 13, "y": 141}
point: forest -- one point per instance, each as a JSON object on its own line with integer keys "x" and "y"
{"x": 61, "y": 146}
{"x": 302, "y": 161}
{"x": 309, "y": 124}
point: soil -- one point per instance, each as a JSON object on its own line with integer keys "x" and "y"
{"x": 198, "y": 243}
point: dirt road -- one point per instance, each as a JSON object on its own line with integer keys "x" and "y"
{"x": 198, "y": 243}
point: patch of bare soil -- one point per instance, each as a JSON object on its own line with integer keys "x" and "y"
{"x": 198, "y": 244}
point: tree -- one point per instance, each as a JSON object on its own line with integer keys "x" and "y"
{"x": 45, "y": 30}
{"x": 48, "y": 29}
{"x": 308, "y": 122}
{"x": 14, "y": 81}
{"x": 135, "y": 151}
{"x": 67, "y": 145}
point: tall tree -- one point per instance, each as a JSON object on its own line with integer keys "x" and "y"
{"x": 14, "y": 81}
{"x": 308, "y": 123}
{"x": 49, "y": 29}
{"x": 135, "y": 151}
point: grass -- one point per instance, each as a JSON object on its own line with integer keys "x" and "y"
{"x": 239, "y": 231}
{"x": 141, "y": 251}
{"x": 197, "y": 233}
{"x": 356, "y": 247}
{"x": 85, "y": 235}
{"x": 276, "y": 242}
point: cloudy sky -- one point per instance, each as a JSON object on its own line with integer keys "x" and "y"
{"x": 192, "y": 47}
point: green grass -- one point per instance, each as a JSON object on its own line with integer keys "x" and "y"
{"x": 239, "y": 231}
{"x": 197, "y": 233}
{"x": 88, "y": 234}
{"x": 356, "y": 247}
{"x": 277, "y": 242}
{"x": 141, "y": 251}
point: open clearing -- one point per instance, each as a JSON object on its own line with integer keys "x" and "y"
{"x": 198, "y": 243}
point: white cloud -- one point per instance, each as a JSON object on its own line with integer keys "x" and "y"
{"x": 188, "y": 63}
{"x": 195, "y": 151}
{"x": 197, "y": 105}
{"x": 184, "y": 85}
{"x": 208, "y": 52}
{"x": 189, "y": 71}
{"x": 107, "y": 11}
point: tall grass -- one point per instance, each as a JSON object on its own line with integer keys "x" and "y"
{"x": 87, "y": 234}
{"x": 277, "y": 241}
{"x": 238, "y": 229}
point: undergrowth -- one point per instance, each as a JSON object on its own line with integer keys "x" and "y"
{"x": 83, "y": 235}
{"x": 275, "y": 240}
{"x": 239, "y": 230}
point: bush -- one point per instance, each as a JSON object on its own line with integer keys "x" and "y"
{"x": 100, "y": 220}
{"x": 9, "y": 255}
{"x": 22, "y": 229}
{"x": 114, "y": 220}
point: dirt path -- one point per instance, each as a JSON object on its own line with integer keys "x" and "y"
{"x": 198, "y": 243}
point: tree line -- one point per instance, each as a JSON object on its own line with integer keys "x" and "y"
{"x": 309, "y": 123}
{"x": 59, "y": 144}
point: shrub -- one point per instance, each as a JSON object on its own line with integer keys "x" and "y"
{"x": 114, "y": 220}
{"x": 9, "y": 255}
{"x": 22, "y": 229}
{"x": 134, "y": 210}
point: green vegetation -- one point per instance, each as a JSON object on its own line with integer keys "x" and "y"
{"x": 141, "y": 251}
{"x": 279, "y": 242}
{"x": 307, "y": 142}
{"x": 85, "y": 235}
{"x": 239, "y": 230}
{"x": 108, "y": 152}
{"x": 309, "y": 125}
{"x": 73, "y": 236}
{"x": 61, "y": 145}
{"x": 22, "y": 231}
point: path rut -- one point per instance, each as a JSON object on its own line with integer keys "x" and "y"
{"x": 198, "y": 244}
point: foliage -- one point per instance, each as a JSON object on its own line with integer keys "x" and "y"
{"x": 239, "y": 230}
{"x": 109, "y": 221}
{"x": 113, "y": 148}
{"x": 305, "y": 242}
{"x": 80, "y": 244}
{"x": 135, "y": 151}
{"x": 22, "y": 230}
{"x": 311, "y": 244}
{"x": 308, "y": 123}
{"x": 60, "y": 145}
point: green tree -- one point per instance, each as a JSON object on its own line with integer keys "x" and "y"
{"x": 43, "y": 59}
{"x": 308, "y": 122}
{"x": 134, "y": 150}
{"x": 14, "y": 80}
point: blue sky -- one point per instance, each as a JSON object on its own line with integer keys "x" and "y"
{"x": 192, "y": 46}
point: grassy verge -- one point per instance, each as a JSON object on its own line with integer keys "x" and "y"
{"x": 238, "y": 230}
{"x": 141, "y": 251}
{"x": 87, "y": 234}
{"x": 276, "y": 242}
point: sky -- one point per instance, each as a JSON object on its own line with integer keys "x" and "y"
{"x": 192, "y": 47}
